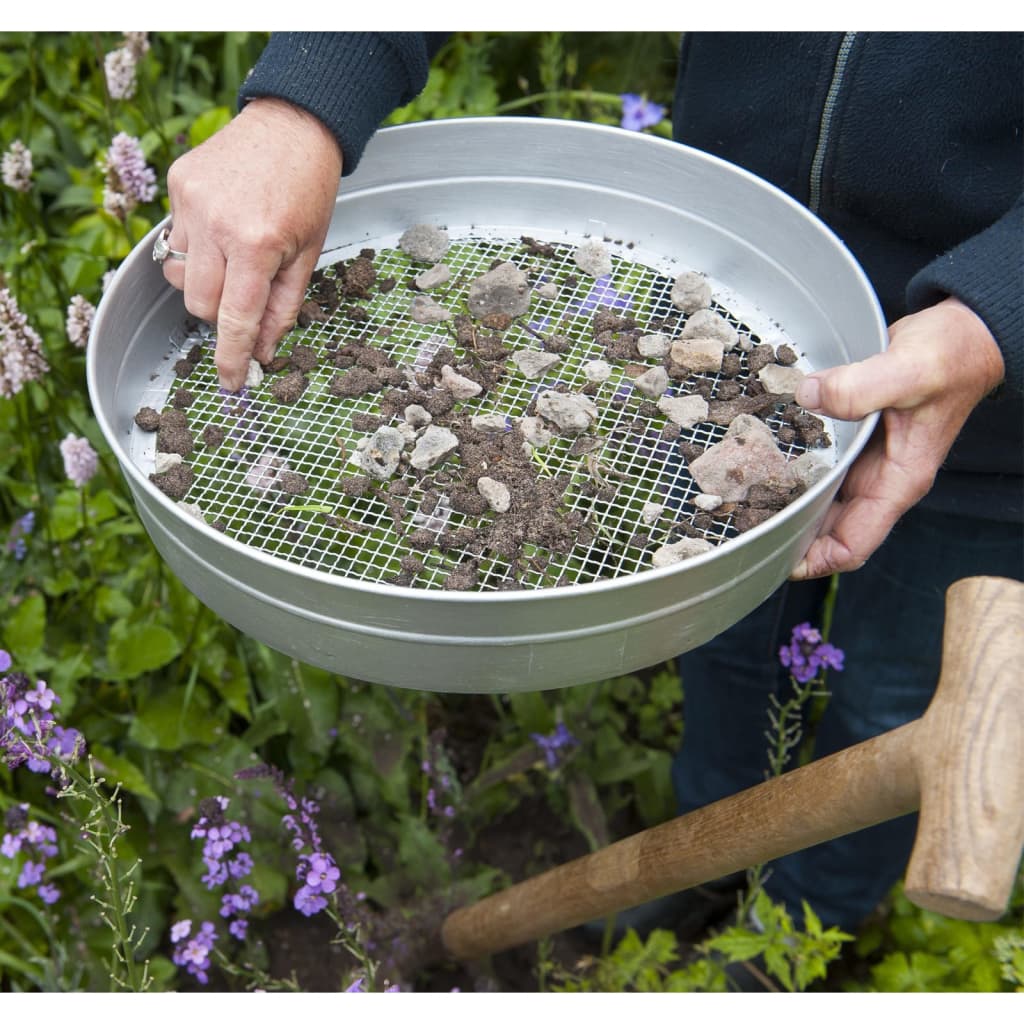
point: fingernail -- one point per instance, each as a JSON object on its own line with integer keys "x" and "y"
{"x": 800, "y": 572}
{"x": 808, "y": 393}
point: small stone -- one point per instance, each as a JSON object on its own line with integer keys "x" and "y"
{"x": 424, "y": 243}
{"x": 708, "y": 502}
{"x": 164, "y": 460}
{"x": 547, "y": 290}
{"x": 436, "y": 276}
{"x": 495, "y": 493}
{"x": 570, "y": 413}
{"x": 435, "y": 444}
{"x": 459, "y": 386}
{"x": 192, "y": 510}
{"x": 424, "y": 310}
{"x": 684, "y": 410}
{"x": 654, "y": 346}
{"x": 593, "y": 258}
{"x": 254, "y": 375}
{"x": 651, "y": 511}
{"x": 490, "y": 423}
{"x": 688, "y": 547}
{"x": 382, "y": 453}
{"x": 809, "y": 468}
{"x": 705, "y": 323}
{"x": 597, "y": 370}
{"x": 534, "y": 432}
{"x": 416, "y": 416}
{"x": 532, "y": 363}
{"x": 505, "y": 289}
{"x": 698, "y": 355}
{"x": 653, "y": 383}
{"x": 781, "y": 381}
{"x": 691, "y": 292}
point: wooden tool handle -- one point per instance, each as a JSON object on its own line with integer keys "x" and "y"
{"x": 861, "y": 786}
{"x": 970, "y": 757}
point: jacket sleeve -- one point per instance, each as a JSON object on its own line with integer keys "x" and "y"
{"x": 351, "y": 81}
{"x": 985, "y": 273}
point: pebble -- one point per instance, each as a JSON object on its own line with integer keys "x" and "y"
{"x": 570, "y": 413}
{"x": 780, "y": 380}
{"x": 534, "y": 432}
{"x": 424, "y": 243}
{"x": 164, "y": 460}
{"x": 424, "y": 310}
{"x": 254, "y": 375}
{"x": 691, "y": 292}
{"x": 459, "y": 386}
{"x": 698, "y": 355}
{"x": 416, "y": 416}
{"x": 505, "y": 289}
{"x": 706, "y": 323}
{"x": 653, "y": 383}
{"x": 532, "y": 363}
{"x": 688, "y": 547}
{"x": 651, "y": 511}
{"x": 593, "y": 258}
{"x": 684, "y": 410}
{"x": 597, "y": 370}
{"x": 708, "y": 502}
{"x": 547, "y": 290}
{"x": 490, "y": 423}
{"x": 433, "y": 446}
{"x": 495, "y": 493}
{"x": 436, "y": 276}
{"x": 747, "y": 455}
{"x": 654, "y": 346}
{"x": 381, "y": 454}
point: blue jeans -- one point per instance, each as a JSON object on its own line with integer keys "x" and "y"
{"x": 888, "y": 619}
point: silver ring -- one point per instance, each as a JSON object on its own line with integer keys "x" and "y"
{"x": 162, "y": 251}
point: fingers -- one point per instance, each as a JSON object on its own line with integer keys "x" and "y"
{"x": 287, "y": 292}
{"x": 856, "y": 390}
{"x": 240, "y": 313}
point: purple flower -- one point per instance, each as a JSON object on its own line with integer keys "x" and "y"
{"x": 31, "y": 874}
{"x": 180, "y": 930}
{"x": 239, "y": 928}
{"x": 603, "y": 294}
{"x": 357, "y": 986}
{"x": 194, "y": 953}
{"x": 309, "y": 902}
{"x": 555, "y": 742}
{"x": 48, "y": 893}
{"x": 805, "y": 655}
{"x": 5, "y": 660}
{"x": 322, "y": 873}
{"x": 129, "y": 181}
{"x": 639, "y": 113}
{"x": 80, "y": 459}
{"x": 10, "y": 845}
{"x": 16, "y": 545}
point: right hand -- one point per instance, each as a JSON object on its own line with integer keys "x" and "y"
{"x": 251, "y": 207}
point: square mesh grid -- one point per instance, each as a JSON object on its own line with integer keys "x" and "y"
{"x": 625, "y": 463}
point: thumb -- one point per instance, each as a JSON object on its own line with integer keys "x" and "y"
{"x": 856, "y": 390}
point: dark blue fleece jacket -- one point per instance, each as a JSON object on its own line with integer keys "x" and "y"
{"x": 909, "y": 146}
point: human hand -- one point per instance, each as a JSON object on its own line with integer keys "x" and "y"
{"x": 940, "y": 363}
{"x": 251, "y": 207}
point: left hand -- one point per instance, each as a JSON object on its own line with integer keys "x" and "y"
{"x": 941, "y": 362}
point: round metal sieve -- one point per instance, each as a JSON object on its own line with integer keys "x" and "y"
{"x": 325, "y": 576}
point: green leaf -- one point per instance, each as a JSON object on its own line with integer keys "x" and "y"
{"x": 164, "y": 722}
{"x": 208, "y": 123}
{"x": 138, "y": 648}
{"x": 740, "y": 943}
{"x": 25, "y": 627}
{"x": 118, "y": 769}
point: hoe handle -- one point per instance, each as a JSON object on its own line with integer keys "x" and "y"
{"x": 965, "y": 757}
{"x": 970, "y": 757}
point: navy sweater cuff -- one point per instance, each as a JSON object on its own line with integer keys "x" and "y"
{"x": 350, "y": 81}
{"x": 984, "y": 272}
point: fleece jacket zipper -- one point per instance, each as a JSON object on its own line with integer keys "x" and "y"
{"x": 827, "y": 113}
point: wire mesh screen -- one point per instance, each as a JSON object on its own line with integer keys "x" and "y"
{"x": 285, "y": 474}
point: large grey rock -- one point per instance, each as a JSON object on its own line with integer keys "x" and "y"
{"x": 747, "y": 455}
{"x": 381, "y": 454}
{"x": 505, "y": 289}
{"x": 691, "y": 292}
{"x": 572, "y": 414}
{"x": 424, "y": 243}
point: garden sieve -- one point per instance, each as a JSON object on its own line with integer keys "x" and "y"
{"x": 320, "y": 576}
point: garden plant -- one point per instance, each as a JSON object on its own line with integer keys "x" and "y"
{"x": 183, "y": 808}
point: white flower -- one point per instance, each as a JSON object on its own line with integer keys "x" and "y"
{"x": 79, "y": 321}
{"x": 16, "y": 167}
{"x": 21, "y": 348}
{"x": 119, "y": 67}
{"x": 80, "y": 459}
